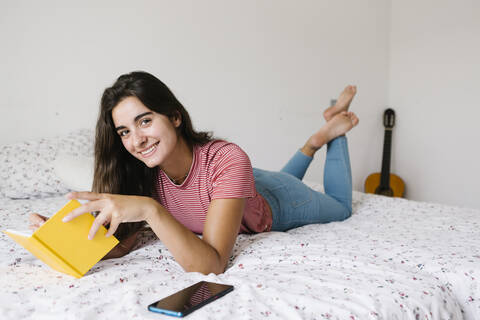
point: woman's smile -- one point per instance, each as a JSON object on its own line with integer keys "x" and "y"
{"x": 149, "y": 151}
{"x": 141, "y": 131}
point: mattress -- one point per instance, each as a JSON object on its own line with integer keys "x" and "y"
{"x": 393, "y": 259}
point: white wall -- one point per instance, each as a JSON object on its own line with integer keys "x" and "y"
{"x": 258, "y": 73}
{"x": 434, "y": 85}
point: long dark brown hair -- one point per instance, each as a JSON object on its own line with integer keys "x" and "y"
{"x": 116, "y": 170}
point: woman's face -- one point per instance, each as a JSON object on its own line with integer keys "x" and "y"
{"x": 148, "y": 136}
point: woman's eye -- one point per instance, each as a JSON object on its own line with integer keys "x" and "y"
{"x": 145, "y": 122}
{"x": 123, "y": 133}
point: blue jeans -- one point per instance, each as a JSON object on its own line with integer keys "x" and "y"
{"x": 294, "y": 204}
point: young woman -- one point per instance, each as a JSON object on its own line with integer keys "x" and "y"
{"x": 152, "y": 166}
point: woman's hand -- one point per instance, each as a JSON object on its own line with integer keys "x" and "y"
{"x": 111, "y": 208}
{"x": 36, "y": 220}
{"x": 125, "y": 246}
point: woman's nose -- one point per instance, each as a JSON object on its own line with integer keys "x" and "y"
{"x": 139, "y": 139}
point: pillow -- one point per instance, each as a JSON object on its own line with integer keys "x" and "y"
{"x": 27, "y": 168}
{"x": 75, "y": 172}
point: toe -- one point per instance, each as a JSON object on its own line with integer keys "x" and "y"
{"x": 355, "y": 120}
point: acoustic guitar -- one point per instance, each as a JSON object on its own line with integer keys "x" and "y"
{"x": 386, "y": 183}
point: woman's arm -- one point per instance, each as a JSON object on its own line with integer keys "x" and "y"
{"x": 121, "y": 249}
{"x": 206, "y": 255}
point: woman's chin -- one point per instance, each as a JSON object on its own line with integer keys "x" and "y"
{"x": 151, "y": 162}
{"x": 151, "y": 166}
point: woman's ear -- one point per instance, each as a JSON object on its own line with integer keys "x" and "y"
{"x": 176, "y": 119}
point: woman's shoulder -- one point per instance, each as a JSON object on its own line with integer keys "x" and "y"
{"x": 216, "y": 149}
{"x": 218, "y": 145}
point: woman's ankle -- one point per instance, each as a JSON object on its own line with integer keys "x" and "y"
{"x": 308, "y": 151}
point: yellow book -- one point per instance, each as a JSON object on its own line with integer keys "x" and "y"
{"x": 64, "y": 246}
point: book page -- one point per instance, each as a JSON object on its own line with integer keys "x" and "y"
{"x": 23, "y": 233}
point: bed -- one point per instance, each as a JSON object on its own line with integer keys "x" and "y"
{"x": 393, "y": 259}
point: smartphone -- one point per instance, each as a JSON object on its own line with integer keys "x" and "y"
{"x": 190, "y": 299}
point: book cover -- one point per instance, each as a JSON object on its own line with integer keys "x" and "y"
{"x": 64, "y": 246}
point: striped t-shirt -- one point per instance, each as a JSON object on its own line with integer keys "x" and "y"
{"x": 220, "y": 170}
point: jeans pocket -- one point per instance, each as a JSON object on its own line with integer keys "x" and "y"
{"x": 287, "y": 189}
{"x": 296, "y": 192}
{"x": 299, "y": 196}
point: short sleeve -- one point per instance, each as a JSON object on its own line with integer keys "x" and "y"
{"x": 232, "y": 175}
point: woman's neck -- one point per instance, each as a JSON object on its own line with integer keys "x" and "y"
{"x": 178, "y": 164}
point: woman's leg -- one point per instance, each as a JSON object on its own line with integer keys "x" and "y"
{"x": 337, "y": 175}
{"x": 299, "y": 163}
{"x": 293, "y": 203}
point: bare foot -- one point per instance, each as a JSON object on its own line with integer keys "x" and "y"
{"x": 342, "y": 104}
{"x": 340, "y": 124}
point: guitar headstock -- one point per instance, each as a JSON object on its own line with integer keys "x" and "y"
{"x": 389, "y": 118}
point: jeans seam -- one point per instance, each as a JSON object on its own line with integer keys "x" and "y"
{"x": 342, "y": 158}
{"x": 298, "y": 204}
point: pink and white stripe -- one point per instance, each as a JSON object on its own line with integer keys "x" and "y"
{"x": 220, "y": 170}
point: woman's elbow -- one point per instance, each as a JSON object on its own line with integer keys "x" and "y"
{"x": 207, "y": 269}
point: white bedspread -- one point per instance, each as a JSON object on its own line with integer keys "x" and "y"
{"x": 393, "y": 259}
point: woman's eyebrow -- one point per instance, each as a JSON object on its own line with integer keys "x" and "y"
{"x": 135, "y": 120}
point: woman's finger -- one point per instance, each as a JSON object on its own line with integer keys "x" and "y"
{"x": 36, "y": 218}
{"x": 84, "y": 195}
{"x": 97, "y": 223}
{"x": 87, "y": 207}
{"x": 113, "y": 227}
{"x": 36, "y": 225}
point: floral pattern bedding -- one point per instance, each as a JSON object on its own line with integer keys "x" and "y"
{"x": 393, "y": 259}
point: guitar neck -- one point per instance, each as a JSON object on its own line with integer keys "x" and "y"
{"x": 387, "y": 146}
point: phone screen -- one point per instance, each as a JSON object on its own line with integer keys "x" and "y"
{"x": 189, "y": 299}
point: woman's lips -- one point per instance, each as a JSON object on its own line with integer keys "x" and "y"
{"x": 148, "y": 152}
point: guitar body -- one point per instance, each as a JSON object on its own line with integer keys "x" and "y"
{"x": 386, "y": 183}
{"x": 396, "y": 189}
